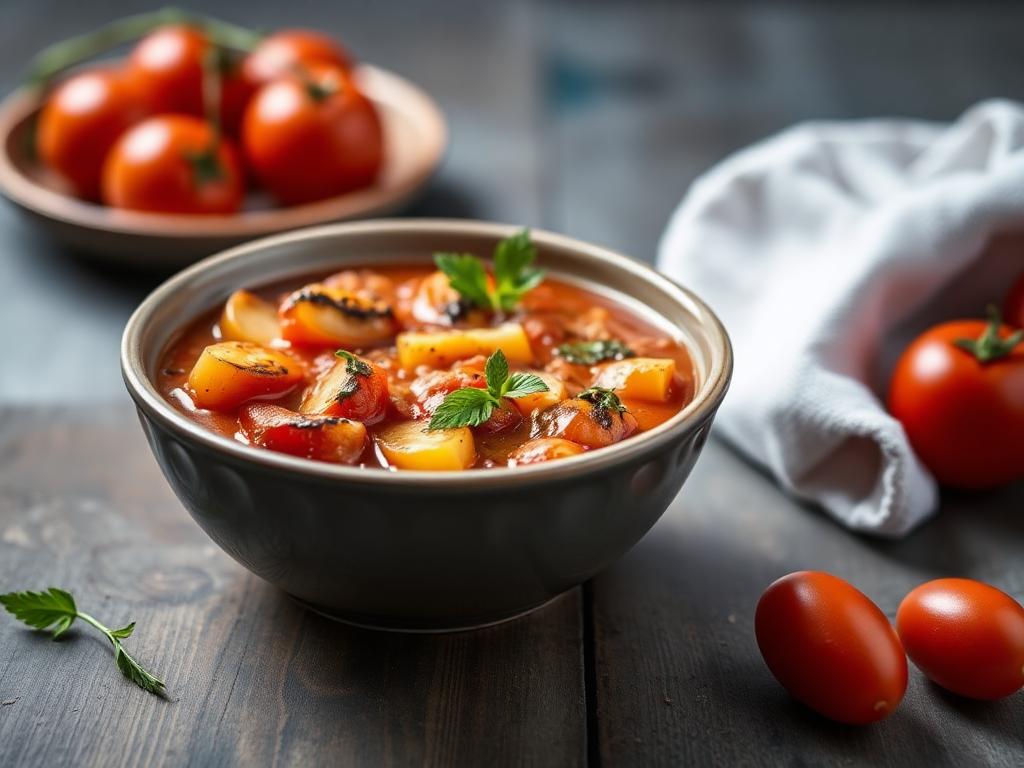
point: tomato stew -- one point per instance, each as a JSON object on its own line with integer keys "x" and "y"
{"x": 405, "y": 367}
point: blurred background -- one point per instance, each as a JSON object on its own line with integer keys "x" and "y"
{"x": 588, "y": 118}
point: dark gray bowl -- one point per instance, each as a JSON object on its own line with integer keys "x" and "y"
{"x": 421, "y": 550}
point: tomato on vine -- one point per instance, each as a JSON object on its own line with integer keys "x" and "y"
{"x": 311, "y": 135}
{"x": 958, "y": 390}
{"x": 80, "y": 122}
{"x": 173, "y": 164}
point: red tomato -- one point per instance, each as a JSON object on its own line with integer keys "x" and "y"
{"x": 581, "y": 422}
{"x": 964, "y": 416}
{"x": 280, "y": 54}
{"x": 81, "y": 121}
{"x": 966, "y": 636}
{"x": 166, "y": 68}
{"x": 353, "y": 389}
{"x": 316, "y": 437}
{"x": 171, "y": 164}
{"x": 312, "y": 135}
{"x": 831, "y": 647}
{"x": 1013, "y": 307}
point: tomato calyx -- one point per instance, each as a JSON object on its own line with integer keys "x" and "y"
{"x": 319, "y": 90}
{"x": 990, "y": 345}
{"x": 206, "y": 165}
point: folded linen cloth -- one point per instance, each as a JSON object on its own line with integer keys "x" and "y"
{"x": 824, "y": 249}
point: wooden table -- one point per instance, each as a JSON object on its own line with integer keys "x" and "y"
{"x": 654, "y": 662}
{"x": 587, "y": 118}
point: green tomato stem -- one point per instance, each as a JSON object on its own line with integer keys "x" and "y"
{"x": 62, "y": 55}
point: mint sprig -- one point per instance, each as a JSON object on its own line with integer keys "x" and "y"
{"x": 55, "y": 610}
{"x": 514, "y": 274}
{"x": 472, "y": 406}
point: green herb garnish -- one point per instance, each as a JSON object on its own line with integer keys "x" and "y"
{"x": 472, "y": 406}
{"x": 592, "y": 352}
{"x": 353, "y": 364}
{"x": 56, "y": 611}
{"x": 354, "y": 367}
{"x": 602, "y": 399}
{"x": 605, "y": 402}
{"x": 514, "y": 274}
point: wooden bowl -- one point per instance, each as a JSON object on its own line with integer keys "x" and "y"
{"x": 415, "y": 140}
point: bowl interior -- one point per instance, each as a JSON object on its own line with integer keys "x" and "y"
{"x": 323, "y": 249}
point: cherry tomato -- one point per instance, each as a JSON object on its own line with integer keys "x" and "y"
{"x": 963, "y": 410}
{"x": 353, "y": 389}
{"x": 325, "y": 438}
{"x": 172, "y": 164}
{"x": 831, "y": 647}
{"x": 312, "y": 135}
{"x": 1013, "y": 307}
{"x": 966, "y": 636}
{"x": 80, "y": 123}
{"x": 167, "y": 66}
{"x": 280, "y": 54}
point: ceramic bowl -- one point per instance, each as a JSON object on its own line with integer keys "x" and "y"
{"x": 415, "y": 550}
{"x": 415, "y": 139}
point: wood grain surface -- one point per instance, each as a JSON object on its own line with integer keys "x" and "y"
{"x": 654, "y": 663}
{"x": 252, "y": 678}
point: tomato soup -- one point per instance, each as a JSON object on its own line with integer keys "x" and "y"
{"x": 413, "y": 367}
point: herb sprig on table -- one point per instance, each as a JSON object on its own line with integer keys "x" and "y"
{"x": 472, "y": 406}
{"x": 514, "y": 274}
{"x": 55, "y": 610}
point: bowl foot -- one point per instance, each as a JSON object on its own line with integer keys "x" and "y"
{"x": 417, "y": 626}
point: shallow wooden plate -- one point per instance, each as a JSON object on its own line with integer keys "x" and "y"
{"x": 415, "y": 140}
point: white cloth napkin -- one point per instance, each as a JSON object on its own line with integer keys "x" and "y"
{"x": 824, "y": 250}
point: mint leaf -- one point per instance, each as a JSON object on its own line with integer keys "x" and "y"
{"x": 467, "y": 407}
{"x": 496, "y": 372}
{"x": 523, "y": 384}
{"x": 466, "y": 274}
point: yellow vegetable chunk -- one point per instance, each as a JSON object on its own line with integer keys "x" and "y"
{"x": 247, "y": 317}
{"x": 410, "y": 445}
{"x": 540, "y": 400}
{"x": 231, "y": 372}
{"x": 442, "y": 348}
{"x": 639, "y": 378}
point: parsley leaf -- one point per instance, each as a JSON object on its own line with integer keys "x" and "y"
{"x": 56, "y": 611}
{"x": 592, "y": 352}
{"x": 353, "y": 364}
{"x": 472, "y": 406}
{"x": 514, "y": 274}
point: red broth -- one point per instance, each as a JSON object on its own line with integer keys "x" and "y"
{"x": 552, "y": 314}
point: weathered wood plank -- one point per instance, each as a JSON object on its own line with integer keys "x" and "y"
{"x": 253, "y": 678}
{"x": 680, "y": 680}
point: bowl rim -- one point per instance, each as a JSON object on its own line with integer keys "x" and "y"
{"x": 20, "y": 188}
{"x": 698, "y": 412}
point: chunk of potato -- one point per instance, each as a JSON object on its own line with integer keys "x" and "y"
{"x": 247, "y": 317}
{"x": 442, "y": 348}
{"x": 229, "y": 373}
{"x": 540, "y": 400}
{"x": 639, "y": 378}
{"x": 410, "y": 445}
